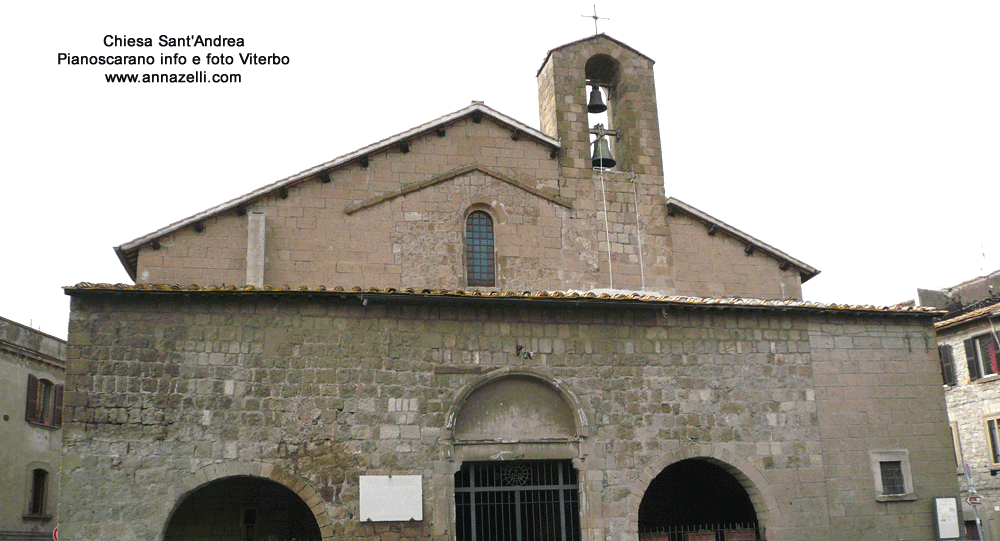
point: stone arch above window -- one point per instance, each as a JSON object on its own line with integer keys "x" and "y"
{"x": 480, "y": 249}
{"x": 515, "y": 408}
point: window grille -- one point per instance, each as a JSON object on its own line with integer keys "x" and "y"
{"x": 892, "y": 477}
{"x": 523, "y": 500}
{"x": 480, "y": 261}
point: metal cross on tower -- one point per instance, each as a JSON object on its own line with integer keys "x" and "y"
{"x": 595, "y": 17}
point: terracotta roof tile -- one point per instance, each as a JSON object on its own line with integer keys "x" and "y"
{"x": 968, "y": 317}
{"x": 633, "y": 298}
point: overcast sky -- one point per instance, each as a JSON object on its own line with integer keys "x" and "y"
{"x": 859, "y": 136}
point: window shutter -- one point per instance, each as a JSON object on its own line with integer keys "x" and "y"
{"x": 970, "y": 358}
{"x": 31, "y": 404}
{"x": 57, "y": 407}
{"x": 989, "y": 352}
{"x": 947, "y": 365}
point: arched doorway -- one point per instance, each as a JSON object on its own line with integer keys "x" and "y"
{"x": 697, "y": 500}
{"x": 244, "y": 508}
{"x": 516, "y": 436}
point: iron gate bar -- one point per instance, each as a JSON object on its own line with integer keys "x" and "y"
{"x": 498, "y": 497}
{"x": 525, "y": 488}
{"x": 562, "y": 514}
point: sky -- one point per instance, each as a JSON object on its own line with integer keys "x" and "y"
{"x": 859, "y": 136}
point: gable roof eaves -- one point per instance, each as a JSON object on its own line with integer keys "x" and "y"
{"x": 128, "y": 252}
{"x": 564, "y": 298}
{"x": 805, "y": 271}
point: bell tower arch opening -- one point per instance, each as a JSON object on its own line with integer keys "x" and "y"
{"x": 697, "y": 500}
{"x": 601, "y": 73}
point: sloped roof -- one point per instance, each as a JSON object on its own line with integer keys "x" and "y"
{"x": 752, "y": 243}
{"x": 128, "y": 252}
{"x": 521, "y": 297}
{"x": 991, "y": 309}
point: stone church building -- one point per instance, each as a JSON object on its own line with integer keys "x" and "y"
{"x": 478, "y": 330}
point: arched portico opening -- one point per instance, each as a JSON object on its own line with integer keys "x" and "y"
{"x": 245, "y": 508}
{"x": 697, "y": 500}
{"x": 515, "y": 436}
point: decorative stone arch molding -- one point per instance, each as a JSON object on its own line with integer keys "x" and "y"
{"x": 209, "y": 473}
{"x": 756, "y": 485}
{"x": 491, "y": 205}
{"x": 560, "y": 409}
{"x": 581, "y": 422}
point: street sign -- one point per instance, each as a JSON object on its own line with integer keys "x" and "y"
{"x": 975, "y": 499}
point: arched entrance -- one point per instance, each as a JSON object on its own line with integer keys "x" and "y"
{"x": 244, "y": 508}
{"x": 516, "y": 435}
{"x": 697, "y": 500}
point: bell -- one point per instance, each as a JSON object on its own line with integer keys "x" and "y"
{"x": 596, "y": 104}
{"x": 602, "y": 154}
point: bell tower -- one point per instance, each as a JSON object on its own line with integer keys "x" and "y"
{"x": 597, "y": 97}
{"x": 567, "y": 82}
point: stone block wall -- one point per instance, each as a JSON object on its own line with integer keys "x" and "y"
{"x": 878, "y": 389}
{"x": 311, "y": 240}
{"x": 970, "y": 405}
{"x": 170, "y": 391}
{"x": 26, "y": 446}
{"x": 395, "y": 218}
{"x": 717, "y": 265}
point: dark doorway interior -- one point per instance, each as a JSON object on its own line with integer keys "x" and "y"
{"x": 697, "y": 496}
{"x": 243, "y": 509}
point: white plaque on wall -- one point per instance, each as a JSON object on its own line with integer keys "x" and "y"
{"x": 946, "y": 518}
{"x": 391, "y": 498}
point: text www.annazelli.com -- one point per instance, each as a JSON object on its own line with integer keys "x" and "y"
{"x": 196, "y": 77}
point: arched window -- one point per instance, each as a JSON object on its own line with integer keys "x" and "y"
{"x": 480, "y": 262}
{"x": 39, "y": 485}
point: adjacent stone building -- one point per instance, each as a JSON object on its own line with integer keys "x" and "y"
{"x": 32, "y": 371}
{"x": 970, "y": 355}
{"x": 469, "y": 332}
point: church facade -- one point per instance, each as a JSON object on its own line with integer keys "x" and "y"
{"x": 467, "y": 331}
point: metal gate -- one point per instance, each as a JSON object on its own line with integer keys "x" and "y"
{"x": 518, "y": 500}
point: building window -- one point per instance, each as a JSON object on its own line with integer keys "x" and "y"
{"x": 480, "y": 263}
{"x": 957, "y": 442}
{"x": 43, "y": 405}
{"x": 981, "y": 354}
{"x": 993, "y": 435}
{"x": 971, "y": 531}
{"x": 891, "y": 472}
{"x": 39, "y": 493}
{"x": 892, "y": 477}
{"x": 947, "y": 365}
